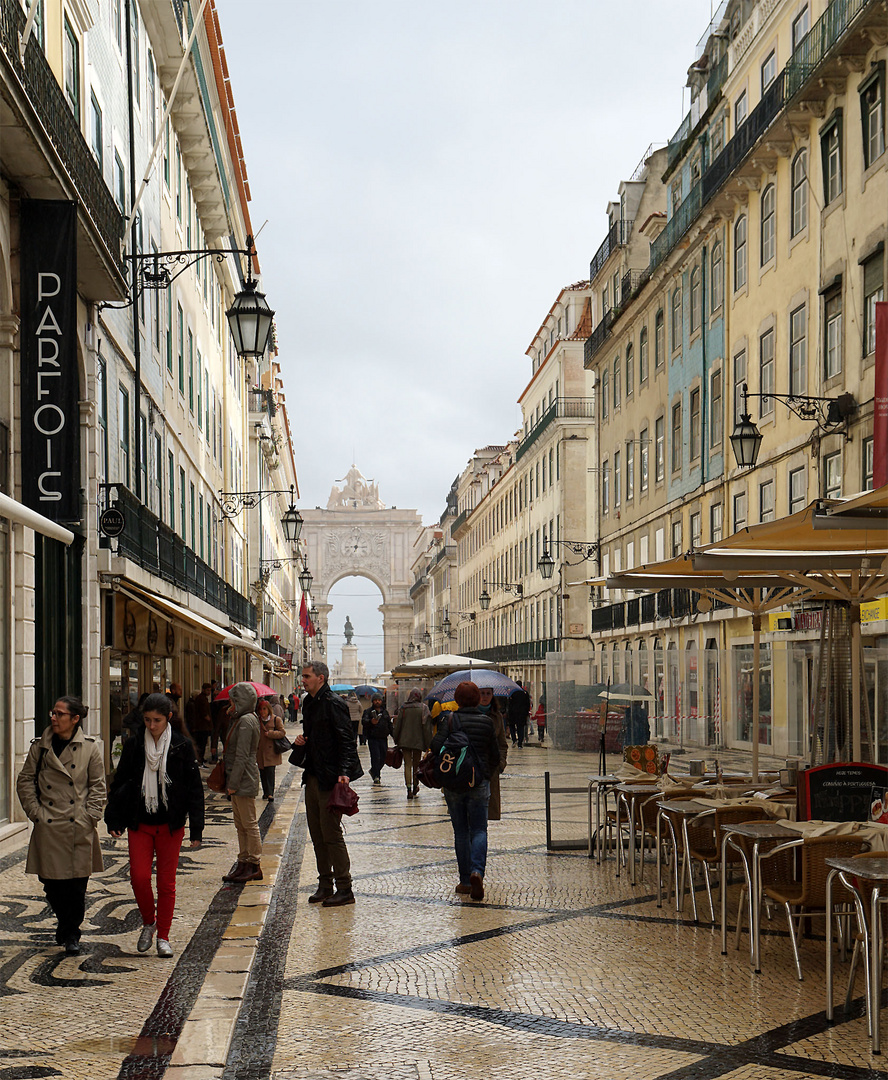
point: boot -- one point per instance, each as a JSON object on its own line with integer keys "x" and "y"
{"x": 249, "y": 872}
{"x": 235, "y": 871}
{"x": 410, "y": 793}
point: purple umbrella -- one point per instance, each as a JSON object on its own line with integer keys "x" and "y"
{"x": 501, "y": 685}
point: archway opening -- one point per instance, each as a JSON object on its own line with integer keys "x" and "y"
{"x": 358, "y": 599}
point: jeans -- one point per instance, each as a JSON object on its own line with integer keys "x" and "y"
{"x": 377, "y": 756}
{"x": 147, "y": 844}
{"x": 468, "y": 815}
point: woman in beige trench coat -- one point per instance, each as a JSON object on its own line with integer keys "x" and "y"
{"x": 62, "y": 790}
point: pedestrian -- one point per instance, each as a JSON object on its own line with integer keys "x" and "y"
{"x": 377, "y": 726}
{"x": 62, "y": 790}
{"x": 413, "y": 735}
{"x": 132, "y": 722}
{"x": 293, "y": 705}
{"x": 490, "y": 706}
{"x": 355, "y": 712}
{"x": 276, "y": 706}
{"x": 330, "y": 756}
{"x": 242, "y": 782}
{"x": 219, "y": 713}
{"x": 156, "y": 788}
{"x": 540, "y": 718}
{"x": 468, "y": 809}
{"x": 392, "y": 698}
{"x": 271, "y": 727}
{"x": 518, "y": 711}
{"x": 201, "y": 721}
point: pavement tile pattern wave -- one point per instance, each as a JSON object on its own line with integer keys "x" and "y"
{"x": 561, "y": 971}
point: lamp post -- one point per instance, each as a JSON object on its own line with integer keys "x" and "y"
{"x": 546, "y": 566}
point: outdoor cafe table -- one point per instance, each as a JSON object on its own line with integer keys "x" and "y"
{"x": 873, "y": 870}
{"x": 628, "y": 794}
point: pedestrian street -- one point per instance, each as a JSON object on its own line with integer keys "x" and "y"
{"x": 561, "y": 971}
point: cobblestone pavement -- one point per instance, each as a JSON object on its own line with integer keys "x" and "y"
{"x": 561, "y": 971}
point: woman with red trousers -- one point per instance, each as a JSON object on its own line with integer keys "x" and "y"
{"x": 157, "y": 787}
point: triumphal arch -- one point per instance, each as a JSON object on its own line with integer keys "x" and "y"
{"x": 357, "y": 535}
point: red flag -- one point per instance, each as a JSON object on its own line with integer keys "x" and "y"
{"x": 305, "y": 619}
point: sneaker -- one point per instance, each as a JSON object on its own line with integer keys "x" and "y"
{"x": 377, "y": 782}
{"x": 146, "y": 937}
{"x": 163, "y": 948}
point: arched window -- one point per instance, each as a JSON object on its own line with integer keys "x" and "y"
{"x": 695, "y": 300}
{"x": 769, "y": 225}
{"x": 799, "y": 199}
{"x": 717, "y": 277}
{"x": 740, "y": 252}
{"x": 676, "y": 318}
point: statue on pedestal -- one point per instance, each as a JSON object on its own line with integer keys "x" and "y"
{"x": 349, "y": 631}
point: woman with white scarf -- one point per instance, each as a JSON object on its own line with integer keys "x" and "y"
{"x": 157, "y": 787}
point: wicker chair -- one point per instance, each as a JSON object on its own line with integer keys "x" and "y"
{"x": 648, "y": 811}
{"x": 807, "y": 890}
{"x": 705, "y": 836}
{"x": 673, "y": 841}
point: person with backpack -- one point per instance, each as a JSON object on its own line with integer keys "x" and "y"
{"x": 413, "y": 733}
{"x": 468, "y": 806}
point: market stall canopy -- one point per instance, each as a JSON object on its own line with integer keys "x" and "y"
{"x": 442, "y": 664}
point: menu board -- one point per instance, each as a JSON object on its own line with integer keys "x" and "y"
{"x": 842, "y": 791}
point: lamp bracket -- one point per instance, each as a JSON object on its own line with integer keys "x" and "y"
{"x": 825, "y": 412}
{"x": 234, "y": 502}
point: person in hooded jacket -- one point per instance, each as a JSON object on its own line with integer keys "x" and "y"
{"x": 62, "y": 790}
{"x": 242, "y": 781}
{"x": 413, "y": 734}
{"x": 327, "y": 752}
{"x": 156, "y": 788}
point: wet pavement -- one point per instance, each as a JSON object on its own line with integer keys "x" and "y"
{"x": 561, "y": 971}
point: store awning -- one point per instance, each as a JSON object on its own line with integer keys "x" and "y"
{"x": 169, "y": 609}
{"x": 24, "y": 515}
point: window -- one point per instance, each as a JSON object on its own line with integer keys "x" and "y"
{"x": 766, "y": 501}
{"x": 675, "y": 327}
{"x": 171, "y": 486}
{"x": 630, "y": 370}
{"x": 867, "y": 458}
{"x": 801, "y": 24}
{"x": 158, "y": 473}
{"x": 740, "y": 109}
{"x": 605, "y": 392}
{"x": 152, "y": 98}
{"x": 182, "y": 517}
{"x": 715, "y": 410}
{"x": 798, "y": 490}
{"x": 199, "y": 392}
{"x": 740, "y": 252}
{"x": 179, "y": 185}
{"x": 630, "y": 471}
{"x": 137, "y": 66}
{"x": 618, "y": 479}
{"x": 605, "y": 486}
{"x": 676, "y": 538}
{"x": 768, "y": 226}
{"x": 715, "y": 522}
{"x": 695, "y": 313}
{"x": 644, "y": 458}
{"x": 191, "y": 371}
{"x": 832, "y": 317}
{"x": 798, "y": 351}
{"x": 659, "y": 448}
{"x": 180, "y": 332}
{"x": 872, "y": 115}
{"x": 717, "y": 277}
{"x": 717, "y": 138}
{"x": 193, "y": 516}
{"x": 831, "y": 152}
{"x": 696, "y": 524}
{"x": 739, "y": 383}
{"x": 617, "y": 384}
{"x": 769, "y": 70}
{"x": 71, "y": 60}
{"x": 832, "y": 475}
{"x": 117, "y": 22}
{"x": 102, "y": 402}
{"x": 96, "y": 130}
{"x": 695, "y": 423}
{"x": 643, "y": 356}
{"x": 676, "y": 437}
{"x": 739, "y": 511}
{"x": 123, "y": 434}
{"x": 659, "y": 339}
{"x": 166, "y": 155}
{"x": 766, "y": 373}
{"x": 873, "y": 293}
{"x": 119, "y": 182}
{"x": 799, "y": 198}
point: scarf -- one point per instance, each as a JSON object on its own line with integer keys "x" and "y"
{"x": 156, "y": 766}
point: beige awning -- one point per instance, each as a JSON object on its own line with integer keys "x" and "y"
{"x": 169, "y": 609}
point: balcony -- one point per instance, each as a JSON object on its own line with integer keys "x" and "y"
{"x": 263, "y": 401}
{"x": 417, "y": 586}
{"x": 57, "y": 129}
{"x": 561, "y": 408}
{"x": 147, "y": 541}
{"x": 598, "y": 336}
{"x": 815, "y": 45}
{"x": 618, "y": 235}
{"x": 522, "y": 650}
{"x": 448, "y": 551}
{"x": 460, "y": 520}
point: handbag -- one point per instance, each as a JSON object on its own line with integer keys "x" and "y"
{"x": 282, "y": 745}
{"x": 426, "y": 772}
{"x": 343, "y": 800}
{"x": 394, "y": 758}
{"x": 216, "y": 779}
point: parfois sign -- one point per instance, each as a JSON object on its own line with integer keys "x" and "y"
{"x": 50, "y": 436}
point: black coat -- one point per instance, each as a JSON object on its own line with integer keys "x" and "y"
{"x": 480, "y": 732}
{"x": 330, "y": 750}
{"x": 380, "y": 730}
{"x": 185, "y": 793}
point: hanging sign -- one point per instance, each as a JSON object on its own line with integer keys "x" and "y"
{"x": 50, "y": 424}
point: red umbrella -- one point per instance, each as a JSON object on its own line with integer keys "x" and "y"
{"x": 261, "y": 691}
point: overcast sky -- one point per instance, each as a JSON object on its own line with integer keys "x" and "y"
{"x": 432, "y": 175}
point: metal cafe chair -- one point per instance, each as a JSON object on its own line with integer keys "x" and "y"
{"x": 863, "y": 891}
{"x": 704, "y": 841}
{"x": 805, "y": 890}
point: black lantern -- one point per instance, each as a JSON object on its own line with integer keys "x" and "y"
{"x": 546, "y": 564}
{"x": 250, "y": 319}
{"x": 427, "y": 638}
{"x": 484, "y": 599}
{"x": 746, "y": 441}
{"x": 445, "y": 625}
{"x": 291, "y": 521}
{"x": 305, "y": 579}
{"x": 313, "y": 613}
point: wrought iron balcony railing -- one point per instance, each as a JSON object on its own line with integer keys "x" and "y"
{"x": 617, "y": 235}
{"x": 598, "y": 336}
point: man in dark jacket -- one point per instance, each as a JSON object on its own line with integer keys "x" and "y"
{"x": 468, "y": 809}
{"x": 330, "y": 758}
{"x": 519, "y": 711}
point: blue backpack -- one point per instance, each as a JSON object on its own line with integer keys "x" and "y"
{"x": 457, "y": 766}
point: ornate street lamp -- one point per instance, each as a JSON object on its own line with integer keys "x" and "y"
{"x": 305, "y": 580}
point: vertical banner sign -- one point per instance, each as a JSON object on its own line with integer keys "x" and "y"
{"x": 880, "y": 405}
{"x": 50, "y": 427}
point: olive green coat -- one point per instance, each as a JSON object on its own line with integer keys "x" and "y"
{"x": 65, "y": 842}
